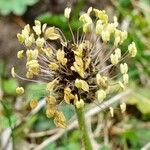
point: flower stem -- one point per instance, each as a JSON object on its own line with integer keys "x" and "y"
{"x": 83, "y": 128}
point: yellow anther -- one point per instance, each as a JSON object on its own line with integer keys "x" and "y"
{"x": 123, "y": 107}
{"x": 111, "y": 111}
{"x": 114, "y": 59}
{"x": 53, "y": 66}
{"x": 81, "y": 84}
{"x": 40, "y": 42}
{"x": 19, "y": 90}
{"x": 51, "y": 85}
{"x": 20, "y": 54}
{"x": 118, "y": 52}
{"x": 13, "y": 72}
{"x": 51, "y": 100}
{"x": 132, "y": 49}
{"x": 125, "y": 78}
{"x": 124, "y": 68}
{"x": 101, "y": 95}
{"x": 51, "y": 34}
{"x": 32, "y": 54}
{"x": 67, "y": 12}
{"x": 59, "y": 119}
{"x": 37, "y": 27}
{"x": 80, "y": 104}
{"x": 33, "y": 103}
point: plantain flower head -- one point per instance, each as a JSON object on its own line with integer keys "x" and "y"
{"x": 76, "y": 71}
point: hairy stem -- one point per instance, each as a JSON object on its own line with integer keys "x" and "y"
{"x": 83, "y": 128}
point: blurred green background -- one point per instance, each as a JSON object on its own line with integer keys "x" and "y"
{"x": 26, "y": 130}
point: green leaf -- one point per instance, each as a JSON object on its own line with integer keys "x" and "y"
{"x": 19, "y": 131}
{"x": 143, "y": 136}
{"x": 70, "y": 146}
{"x": 125, "y": 3}
{"x": 5, "y": 7}
{"x": 68, "y": 111}
{"x": 18, "y": 7}
{"x": 137, "y": 137}
{"x": 51, "y": 146}
{"x": 1, "y": 67}
{"x": 104, "y": 148}
{"x": 7, "y": 119}
{"x": 43, "y": 123}
{"x": 9, "y": 86}
{"x": 144, "y": 106}
{"x": 75, "y": 24}
{"x": 145, "y": 5}
{"x": 59, "y": 21}
{"x": 4, "y": 122}
{"x": 141, "y": 100}
{"x": 75, "y": 136}
{"x": 35, "y": 91}
{"x": 131, "y": 136}
{"x": 29, "y": 2}
{"x": 56, "y": 20}
{"x": 73, "y": 146}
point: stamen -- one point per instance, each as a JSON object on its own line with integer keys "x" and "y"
{"x": 25, "y": 79}
{"x": 71, "y": 32}
{"x": 108, "y": 67}
{"x": 62, "y": 34}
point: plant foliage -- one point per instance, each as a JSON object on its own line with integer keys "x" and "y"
{"x": 17, "y": 7}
